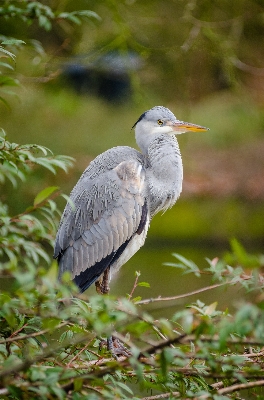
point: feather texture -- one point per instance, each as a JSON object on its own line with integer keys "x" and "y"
{"x": 98, "y": 225}
{"x": 116, "y": 197}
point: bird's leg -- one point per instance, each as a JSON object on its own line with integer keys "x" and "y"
{"x": 114, "y": 345}
{"x": 117, "y": 348}
{"x": 110, "y": 346}
{"x": 102, "y": 285}
{"x": 106, "y": 280}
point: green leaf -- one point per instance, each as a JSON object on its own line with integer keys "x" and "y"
{"x": 6, "y": 65}
{"x": 15, "y": 392}
{"x": 13, "y": 42}
{"x": 44, "y": 194}
{"x": 7, "y": 81}
{"x": 138, "y": 298}
{"x": 44, "y": 163}
{"x": 8, "y": 53}
{"x": 187, "y": 265}
{"x": 124, "y": 386}
{"x": 60, "y": 394}
{"x": 87, "y": 13}
{"x": 144, "y": 284}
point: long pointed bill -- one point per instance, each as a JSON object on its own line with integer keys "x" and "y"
{"x": 181, "y": 127}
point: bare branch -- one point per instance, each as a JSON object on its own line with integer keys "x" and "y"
{"x": 241, "y": 386}
{"x": 161, "y": 396}
{"x": 181, "y": 296}
{"x": 77, "y": 355}
{"x": 135, "y": 285}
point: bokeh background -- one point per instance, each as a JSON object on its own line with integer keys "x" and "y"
{"x": 84, "y": 87}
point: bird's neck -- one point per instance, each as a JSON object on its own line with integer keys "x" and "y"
{"x": 164, "y": 172}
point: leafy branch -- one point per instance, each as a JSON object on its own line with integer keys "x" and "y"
{"x": 28, "y": 11}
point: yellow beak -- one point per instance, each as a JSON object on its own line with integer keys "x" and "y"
{"x": 181, "y": 127}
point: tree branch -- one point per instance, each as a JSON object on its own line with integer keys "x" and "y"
{"x": 181, "y": 296}
{"x": 241, "y": 386}
{"x": 135, "y": 285}
{"x": 161, "y": 396}
{"x": 31, "y": 335}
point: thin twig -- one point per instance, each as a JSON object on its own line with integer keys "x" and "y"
{"x": 161, "y": 396}
{"x": 241, "y": 386}
{"x": 135, "y": 285}
{"x": 189, "y": 338}
{"x": 77, "y": 355}
{"x": 137, "y": 315}
{"x": 252, "y": 355}
{"x": 215, "y": 338}
{"x": 16, "y": 218}
{"x": 159, "y": 333}
{"x": 19, "y": 330}
{"x": 181, "y": 296}
{"x": 47, "y": 353}
{"x": 93, "y": 388}
{"x": 31, "y": 335}
{"x": 162, "y": 345}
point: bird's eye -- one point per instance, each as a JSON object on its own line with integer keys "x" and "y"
{"x": 160, "y": 122}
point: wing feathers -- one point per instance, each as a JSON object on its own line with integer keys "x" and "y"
{"x": 125, "y": 229}
{"x": 96, "y": 251}
{"x": 127, "y": 207}
{"x": 107, "y": 214}
{"x": 68, "y": 261}
{"x": 91, "y": 256}
{"x": 85, "y": 257}
{"x": 76, "y": 257}
{"x": 104, "y": 226}
{"x": 130, "y": 226}
{"x": 88, "y": 238}
{"x": 100, "y": 253}
{"x": 110, "y": 239}
{"x": 95, "y": 232}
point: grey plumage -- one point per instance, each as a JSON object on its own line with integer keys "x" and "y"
{"x": 116, "y": 197}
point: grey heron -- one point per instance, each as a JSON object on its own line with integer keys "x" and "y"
{"x": 117, "y": 196}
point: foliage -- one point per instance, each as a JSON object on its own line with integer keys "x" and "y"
{"x": 7, "y": 81}
{"x": 29, "y": 11}
{"x": 189, "y": 47}
{"x": 22, "y": 235}
{"x": 49, "y": 341}
{"x": 50, "y": 336}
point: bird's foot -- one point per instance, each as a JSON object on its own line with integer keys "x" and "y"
{"x": 115, "y": 346}
{"x": 101, "y": 289}
{"x": 102, "y": 285}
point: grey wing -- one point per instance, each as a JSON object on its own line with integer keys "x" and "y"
{"x": 109, "y": 210}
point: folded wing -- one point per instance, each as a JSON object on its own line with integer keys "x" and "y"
{"x": 108, "y": 211}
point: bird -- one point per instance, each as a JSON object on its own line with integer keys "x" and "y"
{"x": 108, "y": 215}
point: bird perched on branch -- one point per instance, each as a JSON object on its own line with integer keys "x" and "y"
{"x": 116, "y": 197}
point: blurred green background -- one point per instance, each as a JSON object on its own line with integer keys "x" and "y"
{"x": 203, "y": 60}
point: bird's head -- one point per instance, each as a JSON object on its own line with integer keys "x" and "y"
{"x": 160, "y": 120}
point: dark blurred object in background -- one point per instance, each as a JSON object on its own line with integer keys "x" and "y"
{"x": 108, "y": 77}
